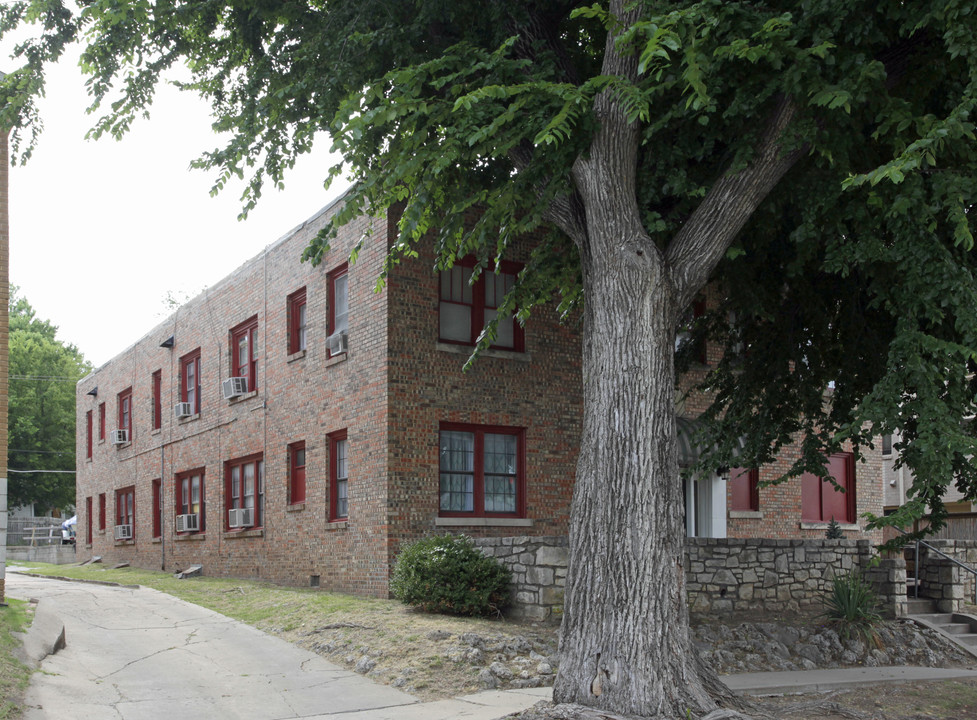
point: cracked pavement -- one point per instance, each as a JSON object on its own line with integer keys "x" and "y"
{"x": 134, "y": 653}
{"x": 138, "y": 653}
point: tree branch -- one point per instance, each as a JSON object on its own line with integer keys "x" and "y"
{"x": 703, "y": 240}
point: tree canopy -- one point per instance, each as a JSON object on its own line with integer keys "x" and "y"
{"x": 813, "y": 159}
{"x": 41, "y": 420}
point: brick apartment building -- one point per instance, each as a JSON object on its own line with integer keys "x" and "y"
{"x": 294, "y": 425}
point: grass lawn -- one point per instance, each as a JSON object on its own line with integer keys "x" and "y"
{"x": 13, "y": 674}
{"x": 249, "y": 601}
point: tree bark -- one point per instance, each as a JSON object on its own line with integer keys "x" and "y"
{"x": 624, "y": 643}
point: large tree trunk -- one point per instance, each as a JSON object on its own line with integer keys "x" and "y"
{"x": 624, "y": 642}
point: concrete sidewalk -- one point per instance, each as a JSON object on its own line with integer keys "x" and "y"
{"x": 132, "y": 653}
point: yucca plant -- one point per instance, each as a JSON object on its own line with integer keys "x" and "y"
{"x": 853, "y": 607}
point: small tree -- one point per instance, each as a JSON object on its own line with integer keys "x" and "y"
{"x": 834, "y": 531}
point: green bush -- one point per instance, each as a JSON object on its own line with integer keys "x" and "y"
{"x": 853, "y": 607}
{"x": 447, "y": 574}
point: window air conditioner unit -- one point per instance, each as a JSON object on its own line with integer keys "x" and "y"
{"x": 123, "y": 532}
{"x": 187, "y": 523}
{"x": 119, "y": 437}
{"x": 235, "y": 387}
{"x": 183, "y": 410}
{"x": 240, "y": 517}
{"x": 337, "y": 343}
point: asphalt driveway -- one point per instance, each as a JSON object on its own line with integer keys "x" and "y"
{"x": 138, "y": 654}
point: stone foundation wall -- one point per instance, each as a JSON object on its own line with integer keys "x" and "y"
{"x": 943, "y": 580}
{"x": 724, "y": 575}
{"x": 734, "y": 575}
{"x": 539, "y": 571}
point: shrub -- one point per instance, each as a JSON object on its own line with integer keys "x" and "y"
{"x": 834, "y": 531}
{"x": 853, "y": 607}
{"x": 447, "y": 574}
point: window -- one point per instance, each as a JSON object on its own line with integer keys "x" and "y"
{"x": 125, "y": 412}
{"x": 482, "y": 470}
{"x": 88, "y": 520}
{"x": 244, "y": 352}
{"x": 190, "y": 380}
{"x": 190, "y": 496}
{"x": 101, "y": 421}
{"x": 88, "y": 434}
{"x": 821, "y": 502}
{"x": 744, "y": 491}
{"x": 683, "y": 337}
{"x": 887, "y": 446}
{"x": 157, "y": 400}
{"x": 465, "y": 309}
{"x": 157, "y": 508}
{"x": 296, "y": 473}
{"x": 338, "y": 321}
{"x": 101, "y": 511}
{"x": 245, "y": 488}
{"x": 338, "y": 476}
{"x": 125, "y": 512}
{"x": 296, "y": 322}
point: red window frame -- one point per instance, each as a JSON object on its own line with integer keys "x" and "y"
{"x": 296, "y": 311}
{"x": 338, "y": 476}
{"x": 157, "y": 508}
{"x": 820, "y": 501}
{"x": 125, "y": 507}
{"x": 88, "y": 520}
{"x": 190, "y": 380}
{"x": 478, "y": 471}
{"x": 101, "y": 511}
{"x": 744, "y": 489}
{"x": 482, "y": 300}
{"x": 188, "y": 485}
{"x": 338, "y": 321}
{"x": 244, "y": 352}
{"x": 296, "y": 472}
{"x": 101, "y": 421}
{"x": 236, "y": 496}
{"x": 157, "y": 388}
{"x": 88, "y": 435}
{"x": 125, "y": 411}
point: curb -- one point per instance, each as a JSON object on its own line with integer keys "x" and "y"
{"x": 799, "y": 682}
{"x": 44, "y": 637}
{"x": 106, "y": 583}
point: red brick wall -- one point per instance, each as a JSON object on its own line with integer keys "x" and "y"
{"x": 390, "y": 393}
{"x": 536, "y": 390}
{"x": 298, "y": 398}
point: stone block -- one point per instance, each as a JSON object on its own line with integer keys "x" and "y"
{"x": 555, "y": 556}
{"x": 539, "y": 576}
{"x": 551, "y": 596}
{"x": 724, "y": 577}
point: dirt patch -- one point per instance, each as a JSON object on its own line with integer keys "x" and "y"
{"x": 430, "y": 656}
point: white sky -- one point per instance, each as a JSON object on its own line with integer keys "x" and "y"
{"x": 101, "y": 231}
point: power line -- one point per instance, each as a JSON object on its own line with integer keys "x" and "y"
{"x": 40, "y": 452}
{"x": 45, "y": 378}
{"x": 72, "y": 472}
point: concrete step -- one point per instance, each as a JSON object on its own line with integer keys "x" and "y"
{"x": 959, "y": 628}
{"x": 955, "y": 628}
{"x": 921, "y": 606}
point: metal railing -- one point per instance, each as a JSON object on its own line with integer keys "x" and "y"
{"x": 917, "y": 563}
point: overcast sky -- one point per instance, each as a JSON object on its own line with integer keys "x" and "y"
{"x": 101, "y": 231}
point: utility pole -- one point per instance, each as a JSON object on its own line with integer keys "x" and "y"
{"x": 4, "y": 347}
